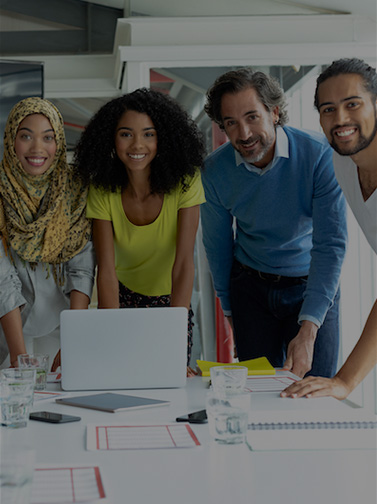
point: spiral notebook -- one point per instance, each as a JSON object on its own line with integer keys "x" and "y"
{"x": 318, "y": 430}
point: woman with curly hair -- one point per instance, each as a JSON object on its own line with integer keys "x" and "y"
{"x": 46, "y": 257}
{"x": 141, "y": 154}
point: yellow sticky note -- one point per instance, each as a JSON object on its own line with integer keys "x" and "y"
{"x": 259, "y": 366}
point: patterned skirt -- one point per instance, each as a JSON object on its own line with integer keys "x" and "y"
{"x": 130, "y": 299}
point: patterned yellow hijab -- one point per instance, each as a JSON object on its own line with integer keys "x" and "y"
{"x": 42, "y": 217}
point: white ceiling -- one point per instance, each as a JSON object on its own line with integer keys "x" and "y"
{"x": 163, "y": 8}
{"x": 78, "y": 110}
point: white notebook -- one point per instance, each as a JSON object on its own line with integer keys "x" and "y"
{"x": 308, "y": 420}
{"x": 130, "y": 348}
{"x": 312, "y": 430}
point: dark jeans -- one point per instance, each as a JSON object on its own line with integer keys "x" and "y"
{"x": 265, "y": 320}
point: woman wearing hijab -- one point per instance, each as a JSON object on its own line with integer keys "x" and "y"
{"x": 46, "y": 256}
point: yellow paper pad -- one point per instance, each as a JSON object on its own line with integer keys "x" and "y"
{"x": 259, "y": 366}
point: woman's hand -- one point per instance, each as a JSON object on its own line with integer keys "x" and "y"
{"x": 190, "y": 372}
{"x": 315, "y": 386}
{"x": 56, "y": 362}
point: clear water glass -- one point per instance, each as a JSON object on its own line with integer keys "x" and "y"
{"x": 16, "y": 476}
{"x": 228, "y": 415}
{"x": 39, "y": 362}
{"x": 16, "y": 396}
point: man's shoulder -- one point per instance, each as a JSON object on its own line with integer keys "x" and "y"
{"x": 223, "y": 154}
{"x": 306, "y": 137}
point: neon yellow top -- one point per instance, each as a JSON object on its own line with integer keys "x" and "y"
{"x": 144, "y": 255}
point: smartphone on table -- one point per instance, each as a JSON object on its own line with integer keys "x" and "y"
{"x": 47, "y": 416}
{"x": 195, "y": 417}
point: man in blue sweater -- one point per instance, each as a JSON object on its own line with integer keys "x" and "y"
{"x": 274, "y": 228}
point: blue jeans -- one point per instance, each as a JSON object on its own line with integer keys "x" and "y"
{"x": 265, "y": 320}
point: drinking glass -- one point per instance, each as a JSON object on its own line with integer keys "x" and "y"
{"x": 16, "y": 396}
{"x": 39, "y": 362}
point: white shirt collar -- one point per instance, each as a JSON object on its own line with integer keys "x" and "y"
{"x": 281, "y": 151}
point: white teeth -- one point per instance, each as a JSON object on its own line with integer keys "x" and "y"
{"x": 136, "y": 156}
{"x": 247, "y": 146}
{"x": 36, "y": 161}
{"x": 345, "y": 133}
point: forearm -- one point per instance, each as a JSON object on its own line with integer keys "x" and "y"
{"x": 301, "y": 348}
{"x": 80, "y": 271}
{"x": 329, "y": 245}
{"x": 12, "y": 327}
{"x": 218, "y": 243}
{"x": 107, "y": 280}
{"x": 78, "y": 300}
{"x": 108, "y": 290}
{"x": 364, "y": 356}
{"x": 182, "y": 284}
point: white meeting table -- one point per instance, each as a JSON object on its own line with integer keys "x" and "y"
{"x": 210, "y": 473}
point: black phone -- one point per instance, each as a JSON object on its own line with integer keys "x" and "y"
{"x": 47, "y": 416}
{"x": 195, "y": 417}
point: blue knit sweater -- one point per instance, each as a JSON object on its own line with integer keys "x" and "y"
{"x": 289, "y": 221}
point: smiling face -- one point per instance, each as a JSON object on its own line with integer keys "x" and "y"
{"x": 136, "y": 141}
{"x": 249, "y": 126}
{"x": 347, "y": 113}
{"x": 35, "y": 144}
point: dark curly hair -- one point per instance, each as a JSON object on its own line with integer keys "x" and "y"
{"x": 268, "y": 89}
{"x": 180, "y": 146}
{"x": 349, "y": 66}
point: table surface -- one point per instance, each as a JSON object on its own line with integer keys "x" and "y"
{"x": 209, "y": 473}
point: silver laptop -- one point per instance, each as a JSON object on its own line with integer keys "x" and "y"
{"x": 129, "y": 348}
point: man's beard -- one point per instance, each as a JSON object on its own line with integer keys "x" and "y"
{"x": 255, "y": 158}
{"x": 362, "y": 143}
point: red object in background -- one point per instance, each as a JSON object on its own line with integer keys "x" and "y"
{"x": 224, "y": 333}
{"x": 218, "y": 136}
{"x": 224, "y": 336}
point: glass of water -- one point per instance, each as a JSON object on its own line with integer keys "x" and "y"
{"x": 16, "y": 475}
{"x": 39, "y": 362}
{"x": 228, "y": 378}
{"x": 228, "y": 415}
{"x": 16, "y": 396}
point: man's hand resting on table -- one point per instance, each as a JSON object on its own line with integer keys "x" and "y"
{"x": 300, "y": 350}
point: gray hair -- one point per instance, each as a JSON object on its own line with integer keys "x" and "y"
{"x": 268, "y": 89}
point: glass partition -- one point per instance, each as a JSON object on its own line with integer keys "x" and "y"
{"x": 18, "y": 80}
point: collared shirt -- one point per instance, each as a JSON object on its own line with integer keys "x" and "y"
{"x": 281, "y": 151}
